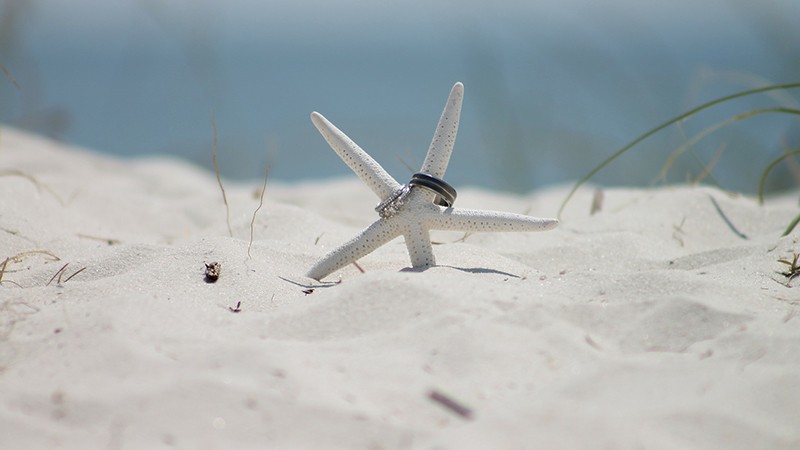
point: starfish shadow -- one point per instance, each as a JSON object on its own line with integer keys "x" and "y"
{"x": 483, "y": 270}
{"x": 477, "y": 270}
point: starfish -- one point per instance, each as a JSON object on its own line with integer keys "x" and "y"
{"x": 417, "y": 214}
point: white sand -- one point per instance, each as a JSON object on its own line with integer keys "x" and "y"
{"x": 648, "y": 325}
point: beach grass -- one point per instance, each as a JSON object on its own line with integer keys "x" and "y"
{"x": 702, "y": 134}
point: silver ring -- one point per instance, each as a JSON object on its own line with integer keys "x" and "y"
{"x": 445, "y": 194}
{"x": 394, "y": 202}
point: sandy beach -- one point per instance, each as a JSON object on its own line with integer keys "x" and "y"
{"x": 651, "y": 324}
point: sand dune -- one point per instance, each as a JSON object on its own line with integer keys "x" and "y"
{"x": 651, "y": 324}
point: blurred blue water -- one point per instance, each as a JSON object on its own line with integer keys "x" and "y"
{"x": 550, "y": 90}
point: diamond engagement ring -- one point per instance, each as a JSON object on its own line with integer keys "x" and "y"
{"x": 394, "y": 202}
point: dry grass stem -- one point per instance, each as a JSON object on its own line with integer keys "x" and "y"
{"x": 61, "y": 272}
{"x": 3, "y": 269}
{"x": 73, "y": 275}
{"x": 678, "y": 231}
{"x": 219, "y": 178}
{"x": 260, "y": 203}
{"x": 109, "y": 241}
{"x": 714, "y": 160}
{"x": 19, "y": 257}
{"x": 39, "y": 185}
{"x": 10, "y": 78}
{"x": 57, "y": 274}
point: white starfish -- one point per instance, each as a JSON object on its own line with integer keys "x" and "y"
{"x": 418, "y": 214}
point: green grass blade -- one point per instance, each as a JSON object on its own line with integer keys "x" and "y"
{"x": 690, "y": 143}
{"x": 767, "y": 171}
{"x": 726, "y": 219}
{"x": 791, "y": 226}
{"x": 655, "y": 130}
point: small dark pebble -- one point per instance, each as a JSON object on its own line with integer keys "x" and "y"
{"x": 212, "y": 272}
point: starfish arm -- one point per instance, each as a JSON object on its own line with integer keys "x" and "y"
{"x": 420, "y": 250}
{"x": 370, "y": 172}
{"x": 478, "y": 220}
{"x": 377, "y": 234}
{"x": 445, "y": 136}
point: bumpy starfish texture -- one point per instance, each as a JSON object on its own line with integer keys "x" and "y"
{"x": 418, "y": 214}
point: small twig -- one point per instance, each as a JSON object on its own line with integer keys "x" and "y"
{"x": 12, "y": 282}
{"x": 3, "y": 269}
{"x": 450, "y": 404}
{"x": 597, "y": 202}
{"x": 725, "y": 218}
{"x": 219, "y": 178}
{"x": 109, "y": 241}
{"x": 237, "y": 309}
{"x": 405, "y": 163}
{"x": 592, "y": 343}
{"x": 461, "y": 239}
{"x": 10, "y": 78}
{"x": 464, "y": 237}
{"x": 79, "y": 271}
{"x": 260, "y": 203}
{"x": 57, "y": 274}
{"x": 61, "y": 272}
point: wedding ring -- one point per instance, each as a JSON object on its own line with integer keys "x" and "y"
{"x": 392, "y": 204}
{"x": 445, "y": 194}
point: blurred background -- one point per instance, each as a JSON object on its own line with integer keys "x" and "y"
{"x": 552, "y": 87}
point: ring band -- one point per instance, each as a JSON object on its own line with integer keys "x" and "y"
{"x": 392, "y": 204}
{"x": 445, "y": 194}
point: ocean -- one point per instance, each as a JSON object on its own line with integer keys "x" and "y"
{"x": 551, "y": 88}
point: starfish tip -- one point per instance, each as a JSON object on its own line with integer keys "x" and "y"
{"x": 320, "y": 121}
